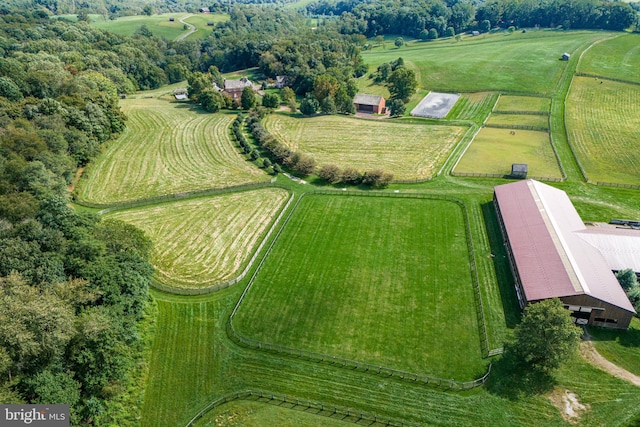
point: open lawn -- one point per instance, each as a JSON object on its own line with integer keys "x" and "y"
{"x": 523, "y": 103}
{"x": 327, "y": 287}
{"x": 205, "y": 241}
{"x": 407, "y": 150}
{"x": 167, "y": 148}
{"x": 518, "y": 62}
{"x": 159, "y": 25}
{"x": 617, "y": 58}
{"x": 494, "y": 150}
{"x": 603, "y": 118}
{"x": 519, "y": 120}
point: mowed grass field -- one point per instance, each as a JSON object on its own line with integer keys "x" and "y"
{"x": 531, "y": 104}
{"x": 494, "y": 150}
{"x": 249, "y": 413}
{"x": 603, "y": 118}
{"x": 407, "y": 150}
{"x": 167, "y": 148}
{"x": 159, "y": 25}
{"x": 617, "y": 58}
{"x": 205, "y": 241}
{"x": 473, "y": 106}
{"x": 518, "y": 62}
{"x": 374, "y": 279}
{"x": 621, "y": 348}
{"x": 536, "y": 120}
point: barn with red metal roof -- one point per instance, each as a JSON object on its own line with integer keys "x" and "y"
{"x": 549, "y": 257}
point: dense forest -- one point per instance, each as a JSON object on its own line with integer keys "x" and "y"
{"x": 73, "y": 288}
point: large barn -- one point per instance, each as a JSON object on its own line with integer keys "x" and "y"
{"x": 551, "y": 255}
{"x": 370, "y": 103}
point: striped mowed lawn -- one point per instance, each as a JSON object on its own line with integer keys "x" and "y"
{"x": 539, "y": 121}
{"x": 617, "y": 58}
{"x": 166, "y": 148}
{"x": 603, "y": 118}
{"x": 374, "y": 279}
{"x": 407, "y": 150}
{"x": 494, "y": 150}
{"x": 204, "y": 241}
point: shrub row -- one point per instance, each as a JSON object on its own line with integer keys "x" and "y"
{"x": 376, "y": 178}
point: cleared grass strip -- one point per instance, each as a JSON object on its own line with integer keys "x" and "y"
{"x": 408, "y": 151}
{"x": 167, "y": 148}
{"x": 603, "y": 118}
{"x": 494, "y": 150}
{"x": 508, "y": 103}
{"x": 618, "y": 58}
{"x": 204, "y": 241}
{"x": 325, "y": 289}
{"x": 473, "y": 106}
{"x": 534, "y": 120}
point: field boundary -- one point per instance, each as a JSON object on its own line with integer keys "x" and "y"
{"x": 110, "y": 207}
{"x": 309, "y": 406}
{"x": 239, "y": 339}
{"x": 519, "y": 127}
{"x": 613, "y": 79}
{"x": 230, "y": 282}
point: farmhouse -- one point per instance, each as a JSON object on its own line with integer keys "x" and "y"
{"x": 282, "y": 81}
{"x": 370, "y": 103}
{"x": 234, "y": 87}
{"x": 549, "y": 256}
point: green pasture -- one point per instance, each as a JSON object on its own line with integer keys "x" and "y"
{"x": 250, "y": 413}
{"x": 494, "y": 150}
{"x": 603, "y": 118}
{"x": 407, "y": 150}
{"x": 523, "y": 103}
{"x": 167, "y": 148}
{"x": 519, "y": 120}
{"x": 617, "y": 57}
{"x": 159, "y": 25}
{"x": 514, "y": 62}
{"x": 620, "y": 347}
{"x": 205, "y": 241}
{"x": 324, "y": 287}
{"x": 473, "y": 106}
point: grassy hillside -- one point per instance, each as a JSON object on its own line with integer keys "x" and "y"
{"x": 167, "y": 148}
{"x": 514, "y": 62}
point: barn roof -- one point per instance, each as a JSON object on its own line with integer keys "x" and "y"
{"x": 552, "y": 259}
{"x": 619, "y": 246}
{"x": 364, "y": 99}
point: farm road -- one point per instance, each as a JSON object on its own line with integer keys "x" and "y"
{"x": 192, "y": 28}
{"x": 590, "y": 354}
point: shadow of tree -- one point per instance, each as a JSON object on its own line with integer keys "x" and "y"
{"x": 512, "y": 379}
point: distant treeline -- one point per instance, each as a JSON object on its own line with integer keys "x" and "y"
{"x": 411, "y": 17}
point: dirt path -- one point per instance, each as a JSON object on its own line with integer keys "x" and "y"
{"x": 590, "y": 354}
{"x": 192, "y": 28}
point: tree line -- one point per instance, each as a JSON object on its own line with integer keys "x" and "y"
{"x": 73, "y": 287}
{"x": 414, "y": 17}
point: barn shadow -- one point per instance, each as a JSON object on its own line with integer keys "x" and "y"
{"x": 501, "y": 265}
{"x": 626, "y": 338}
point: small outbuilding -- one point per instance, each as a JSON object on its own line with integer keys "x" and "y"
{"x": 204, "y": 10}
{"x": 519, "y": 170}
{"x": 370, "y": 103}
{"x": 565, "y": 56}
{"x": 475, "y": 33}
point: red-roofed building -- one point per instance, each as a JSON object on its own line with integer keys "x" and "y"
{"x": 550, "y": 258}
